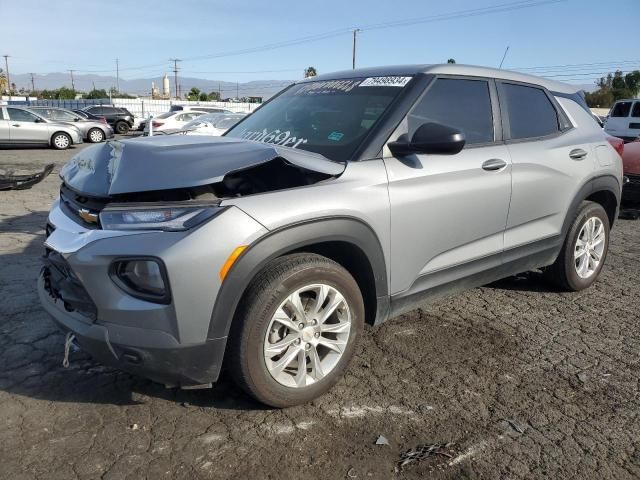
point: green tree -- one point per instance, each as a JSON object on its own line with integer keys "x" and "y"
{"x": 194, "y": 94}
{"x": 95, "y": 93}
{"x": 310, "y": 72}
{"x": 203, "y": 97}
{"x": 614, "y": 86}
{"x": 213, "y": 96}
{"x": 451, "y": 60}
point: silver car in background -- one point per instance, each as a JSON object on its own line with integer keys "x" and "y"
{"x": 19, "y": 125}
{"x": 93, "y": 131}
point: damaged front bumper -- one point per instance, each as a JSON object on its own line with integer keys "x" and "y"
{"x": 165, "y": 342}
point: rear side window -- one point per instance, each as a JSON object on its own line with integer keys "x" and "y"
{"x": 95, "y": 110}
{"x": 460, "y": 103}
{"x": 636, "y": 110}
{"x": 530, "y": 111}
{"x": 621, "y": 109}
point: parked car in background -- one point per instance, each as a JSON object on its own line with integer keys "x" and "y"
{"x": 94, "y": 131}
{"x": 213, "y": 124}
{"x": 171, "y": 121}
{"x": 347, "y": 199}
{"x": 623, "y": 120}
{"x": 190, "y": 108}
{"x": 89, "y": 116}
{"x": 121, "y": 119}
{"x": 19, "y": 125}
{"x": 631, "y": 166}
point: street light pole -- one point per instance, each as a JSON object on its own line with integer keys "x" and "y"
{"x": 6, "y": 65}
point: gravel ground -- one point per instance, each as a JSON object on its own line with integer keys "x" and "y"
{"x": 526, "y": 382}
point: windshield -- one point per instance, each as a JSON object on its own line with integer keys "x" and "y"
{"x": 165, "y": 115}
{"x": 330, "y": 117}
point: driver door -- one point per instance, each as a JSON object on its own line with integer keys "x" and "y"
{"x": 26, "y": 127}
{"x": 448, "y": 212}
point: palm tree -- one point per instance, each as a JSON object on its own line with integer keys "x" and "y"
{"x": 310, "y": 72}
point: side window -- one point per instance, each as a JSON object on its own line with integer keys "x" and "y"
{"x": 463, "y": 104}
{"x": 95, "y": 110}
{"x": 2, "y": 114}
{"x": 636, "y": 110}
{"x": 109, "y": 111}
{"x": 621, "y": 109}
{"x": 531, "y": 113}
{"x": 18, "y": 115}
{"x": 63, "y": 115}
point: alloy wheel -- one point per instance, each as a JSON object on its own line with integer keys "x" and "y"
{"x": 96, "y": 136}
{"x": 307, "y": 335}
{"x": 589, "y": 247}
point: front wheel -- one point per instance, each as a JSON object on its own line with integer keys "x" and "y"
{"x": 96, "y": 135}
{"x": 60, "y": 141}
{"x": 296, "y": 330}
{"x": 584, "y": 250}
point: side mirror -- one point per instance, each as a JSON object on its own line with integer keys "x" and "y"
{"x": 430, "y": 138}
{"x": 77, "y": 119}
{"x": 38, "y": 120}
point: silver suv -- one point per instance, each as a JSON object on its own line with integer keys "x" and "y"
{"x": 346, "y": 199}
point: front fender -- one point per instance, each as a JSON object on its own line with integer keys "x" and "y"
{"x": 287, "y": 239}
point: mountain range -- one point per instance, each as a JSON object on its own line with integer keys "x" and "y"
{"x": 142, "y": 86}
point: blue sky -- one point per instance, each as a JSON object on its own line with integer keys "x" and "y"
{"x": 87, "y": 35}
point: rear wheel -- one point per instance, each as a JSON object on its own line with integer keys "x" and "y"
{"x": 95, "y": 135}
{"x": 60, "y": 141}
{"x": 584, "y": 250}
{"x": 296, "y": 330}
{"x": 122, "y": 128}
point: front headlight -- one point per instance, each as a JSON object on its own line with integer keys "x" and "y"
{"x": 170, "y": 219}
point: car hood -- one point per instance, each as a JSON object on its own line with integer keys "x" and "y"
{"x": 176, "y": 161}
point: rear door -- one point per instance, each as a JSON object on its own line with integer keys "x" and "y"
{"x": 26, "y": 127}
{"x": 448, "y": 212}
{"x": 634, "y": 123}
{"x": 551, "y": 160}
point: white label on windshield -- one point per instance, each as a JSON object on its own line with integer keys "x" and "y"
{"x": 385, "y": 82}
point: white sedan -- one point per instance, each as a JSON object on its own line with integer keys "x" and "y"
{"x": 213, "y": 124}
{"x": 171, "y": 121}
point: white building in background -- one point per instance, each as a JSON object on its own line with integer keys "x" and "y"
{"x": 166, "y": 90}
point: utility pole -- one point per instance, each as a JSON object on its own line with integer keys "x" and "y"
{"x": 117, "y": 76}
{"x": 6, "y": 65}
{"x": 353, "y": 56}
{"x": 175, "y": 74}
{"x": 219, "y": 93}
{"x": 33, "y": 84}
{"x": 237, "y": 91}
{"x": 73, "y": 84}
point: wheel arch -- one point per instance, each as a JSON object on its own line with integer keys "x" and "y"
{"x": 348, "y": 241}
{"x": 604, "y": 190}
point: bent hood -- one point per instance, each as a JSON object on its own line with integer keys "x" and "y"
{"x": 169, "y": 162}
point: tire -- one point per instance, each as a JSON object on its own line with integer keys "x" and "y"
{"x": 61, "y": 141}
{"x": 95, "y": 135}
{"x": 255, "y": 330}
{"x": 122, "y": 128}
{"x": 567, "y": 272}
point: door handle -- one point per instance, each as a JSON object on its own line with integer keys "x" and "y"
{"x": 577, "y": 154}
{"x": 15, "y": 125}
{"x": 494, "y": 164}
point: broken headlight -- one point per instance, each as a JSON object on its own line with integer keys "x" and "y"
{"x": 170, "y": 219}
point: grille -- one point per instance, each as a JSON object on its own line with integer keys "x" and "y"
{"x": 84, "y": 210}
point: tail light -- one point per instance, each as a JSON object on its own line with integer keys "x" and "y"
{"x": 156, "y": 124}
{"x": 617, "y": 144}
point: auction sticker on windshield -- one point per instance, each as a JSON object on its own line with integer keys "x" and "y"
{"x": 385, "y": 82}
